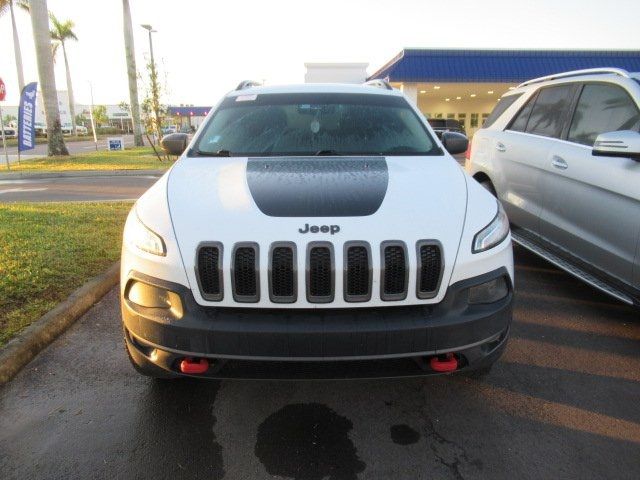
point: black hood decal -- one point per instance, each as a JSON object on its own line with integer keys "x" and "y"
{"x": 318, "y": 187}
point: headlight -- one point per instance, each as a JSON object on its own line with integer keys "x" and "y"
{"x": 489, "y": 292}
{"x": 492, "y": 234}
{"x": 141, "y": 237}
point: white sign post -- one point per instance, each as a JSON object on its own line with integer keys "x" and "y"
{"x": 3, "y": 93}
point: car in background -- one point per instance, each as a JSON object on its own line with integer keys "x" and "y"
{"x": 441, "y": 125}
{"x": 562, "y": 153}
{"x": 315, "y": 230}
{"x": 10, "y": 132}
{"x": 81, "y": 130}
{"x": 169, "y": 129}
{"x": 40, "y": 129}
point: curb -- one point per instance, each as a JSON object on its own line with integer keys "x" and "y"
{"x": 33, "y": 339}
{"x": 80, "y": 173}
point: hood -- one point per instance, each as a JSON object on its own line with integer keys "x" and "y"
{"x": 335, "y": 199}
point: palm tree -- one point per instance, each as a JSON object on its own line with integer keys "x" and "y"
{"x": 42, "y": 41}
{"x": 60, "y": 33}
{"x": 131, "y": 71}
{"x": 8, "y": 4}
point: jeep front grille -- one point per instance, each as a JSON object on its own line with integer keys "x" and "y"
{"x": 244, "y": 273}
{"x": 209, "y": 271}
{"x": 356, "y": 271}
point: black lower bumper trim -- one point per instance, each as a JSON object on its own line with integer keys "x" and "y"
{"x": 240, "y": 337}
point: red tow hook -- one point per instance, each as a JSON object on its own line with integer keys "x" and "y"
{"x": 444, "y": 363}
{"x": 194, "y": 366}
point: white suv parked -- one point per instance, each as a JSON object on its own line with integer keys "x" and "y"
{"x": 562, "y": 153}
{"x": 315, "y": 230}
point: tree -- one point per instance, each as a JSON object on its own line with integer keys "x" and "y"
{"x": 100, "y": 115}
{"x": 9, "y": 119}
{"x": 8, "y": 4}
{"x": 60, "y": 33}
{"x": 131, "y": 72}
{"x": 42, "y": 41}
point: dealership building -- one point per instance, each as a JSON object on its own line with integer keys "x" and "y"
{"x": 466, "y": 84}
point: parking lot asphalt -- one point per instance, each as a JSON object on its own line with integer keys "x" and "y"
{"x": 563, "y": 402}
{"x": 75, "y": 188}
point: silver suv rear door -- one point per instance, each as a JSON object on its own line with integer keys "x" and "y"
{"x": 522, "y": 152}
{"x": 592, "y": 204}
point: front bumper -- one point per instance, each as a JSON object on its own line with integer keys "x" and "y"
{"x": 326, "y": 343}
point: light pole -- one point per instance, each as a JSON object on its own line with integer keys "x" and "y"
{"x": 155, "y": 101}
{"x": 93, "y": 123}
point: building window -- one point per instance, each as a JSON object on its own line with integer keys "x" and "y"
{"x": 438, "y": 115}
{"x": 484, "y": 118}
{"x": 451, "y": 115}
{"x": 462, "y": 118}
{"x": 474, "y": 120}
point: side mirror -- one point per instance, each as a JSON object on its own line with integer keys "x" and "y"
{"x": 175, "y": 143}
{"x": 625, "y": 143}
{"x": 455, "y": 142}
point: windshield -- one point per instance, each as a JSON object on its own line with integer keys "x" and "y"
{"x": 315, "y": 124}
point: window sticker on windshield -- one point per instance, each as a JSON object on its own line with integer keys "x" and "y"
{"x": 246, "y": 98}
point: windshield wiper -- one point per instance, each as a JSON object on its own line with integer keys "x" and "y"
{"x": 219, "y": 153}
{"x": 330, "y": 153}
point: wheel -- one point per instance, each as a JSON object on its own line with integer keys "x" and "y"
{"x": 144, "y": 366}
{"x": 489, "y": 187}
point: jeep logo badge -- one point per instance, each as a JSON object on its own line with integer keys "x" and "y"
{"x": 333, "y": 229}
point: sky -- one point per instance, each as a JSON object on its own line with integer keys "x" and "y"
{"x": 205, "y": 48}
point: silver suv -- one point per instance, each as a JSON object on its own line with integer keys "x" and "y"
{"x": 562, "y": 153}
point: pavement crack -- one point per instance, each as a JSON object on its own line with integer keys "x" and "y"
{"x": 447, "y": 452}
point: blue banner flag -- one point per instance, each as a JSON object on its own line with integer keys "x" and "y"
{"x": 27, "y": 117}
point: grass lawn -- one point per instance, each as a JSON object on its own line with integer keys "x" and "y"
{"x": 47, "y": 250}
{"x": 140, "y": 158}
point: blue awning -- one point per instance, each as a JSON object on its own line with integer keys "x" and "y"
{"x": 508, "y": 66}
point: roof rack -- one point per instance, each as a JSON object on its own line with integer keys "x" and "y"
{"x": 247, "y": 84}
{"x": 577, "y": 73}
{"x": 379, "y": 83}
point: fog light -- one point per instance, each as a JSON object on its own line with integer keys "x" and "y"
{"x": 150, "y": 296}
{"x": 489, "y": 292}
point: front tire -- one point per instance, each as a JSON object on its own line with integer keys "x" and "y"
{"x": 487, "y": 185}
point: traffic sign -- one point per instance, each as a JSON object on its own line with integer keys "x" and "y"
{"x": 3, "y": 91}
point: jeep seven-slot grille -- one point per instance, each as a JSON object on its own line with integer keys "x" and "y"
{"x": 429, "y": 270}
{"x": 245, "y": 274}
{"x": 210, "y": 272}
{"x": 319, "y": 263}
{"x": 320, "y": 274}
{"x": 357, "y": 274}
{"x": 283, "y": 274}
{"x": 394, "y": 273}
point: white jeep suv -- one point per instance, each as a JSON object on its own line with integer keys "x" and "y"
{"x": 562, "y": 153}
{"x": 316, "y": 231}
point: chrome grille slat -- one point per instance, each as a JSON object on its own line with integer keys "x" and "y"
{"x": 320, "y": 272}
{"x": 209, "y": 270}
{"x": 430, "y": 267}
{"x": 357, "y": 272}
{"x": 394, "y": 271}
{"x": 245, "y": 276}
{"x": 283, "y": 272}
